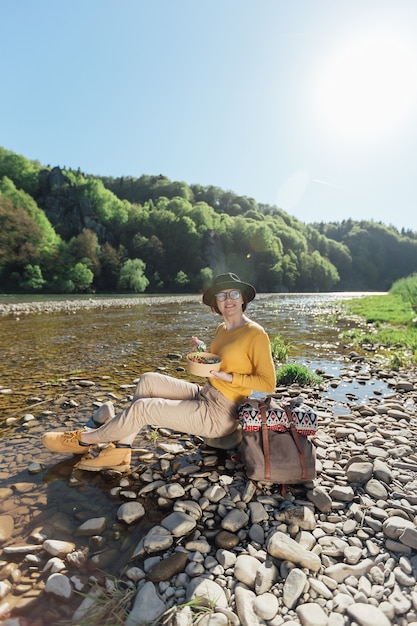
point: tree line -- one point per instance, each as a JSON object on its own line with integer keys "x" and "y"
{"x": 64, "y": 231}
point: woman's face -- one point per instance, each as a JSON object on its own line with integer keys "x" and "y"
{"x": 229, "y": 301}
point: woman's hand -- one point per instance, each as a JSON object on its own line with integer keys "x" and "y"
{"x": 196, "y": 343}
{"x": 228, "y": 378}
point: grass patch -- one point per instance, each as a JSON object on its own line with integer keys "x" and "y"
{"x": 390, "y": 309}
{"x": 109, "y": 606}
{"x": 198, "y": 608}
{"x": 388, "y": 323}
{"x": 291, "y": 373}
{"x": 280, "y": 349}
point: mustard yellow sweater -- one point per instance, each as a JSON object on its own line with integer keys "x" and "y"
{"x": 246, "y": 353}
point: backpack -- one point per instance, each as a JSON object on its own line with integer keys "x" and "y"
{"x": 276, "y": 440}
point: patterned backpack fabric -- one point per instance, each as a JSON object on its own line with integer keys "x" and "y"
{"x": 278, "y": 417}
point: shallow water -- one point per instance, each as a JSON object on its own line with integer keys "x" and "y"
{"x": 122, "y": 342}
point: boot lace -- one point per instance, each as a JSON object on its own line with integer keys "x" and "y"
{"x": 71, "y": 437}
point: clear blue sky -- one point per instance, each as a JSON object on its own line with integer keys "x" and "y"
{"x": 310, "y": 105}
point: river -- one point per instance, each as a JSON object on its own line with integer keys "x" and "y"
{"x": 122, "y": 338}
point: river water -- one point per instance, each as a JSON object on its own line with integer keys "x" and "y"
{"x": 135, "y": 335}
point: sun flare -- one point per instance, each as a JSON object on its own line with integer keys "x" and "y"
{"x": 367, "y": 90}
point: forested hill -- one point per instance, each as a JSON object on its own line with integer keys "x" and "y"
{"x": 63, "y": 231}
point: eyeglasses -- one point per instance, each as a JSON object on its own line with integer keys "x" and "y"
{"x": 223, "y": 295}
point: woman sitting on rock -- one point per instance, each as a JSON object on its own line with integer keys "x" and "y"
{"x": 209, "y": 411}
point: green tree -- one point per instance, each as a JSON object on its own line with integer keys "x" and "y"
{"x": 110, "y": 263}
{"x": 181, "y": 279}
{"x": 23, "y": 173}
{"x": 132, "y": 276}
{"x": 81, "y": 277}
{"x": 20, "y": 237}
{"x": 316, "y": 273}
{"x": 85, "y": 248}
{"x": 32, "y": 279}
{"x": 21, "y": 199}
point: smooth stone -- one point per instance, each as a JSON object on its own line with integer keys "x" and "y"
{"x": 341, "y": 601}
{"x": 225, "y": 539}
{"x": 179, "y": 524}
{"x": 266, "y": 606}
{"x": 283, "y": 547}
{"x": 257, "y": 513}
{"x": 93, "y": 526}
{"x": 400, "y": 602}
{"x": 376, "y": 453}
{"x": 342, "y": 493}
{"x": 208, "y": 590}
{"x": 58, "y": 548}
{"x": 257, "y": 533}
{"x": 5, "y": 588}
{"x": 320, "y": 498}
{"x": 211, "y": 619}
{"x": 226, "y": 558}
{"x": 147, "y": 607}
{"x": 382, "y": 471}
{"x": 395, "y": 526}
{"x": 157, "y": 539}
{"x": 409, "y": 537}
{"x": 6, "y": 527}
{"x": 245, "y": 599}
{"x": 168, "y": 567}
{"x": 130, "y": 512}
{"x": 170, "y": 491}
{"x": 311, "y": 614}
{"x": 103, "y": 413}
{"x": 320, "y": 588}
{"x": 193, "y": 509}
{"x": 234, "y": 520}
{"x": 246, "y": 568}
{"x": 5, "y": 492}
{"x": 350, "y": 526}
{"x": 293, "y": 587}
{"x": 359, "y": 472}
{"x": 215, "y": 493}
{"x": 376, "y": 489}
{"x": 266, "y": 576}
{"x": 35, "y": 468}
{"x": 367, "y": 615}
{"x": 341, "y": 571}
{"x": 198, "y": 545}
{"x": 59, "y": 585}
{"x": 352, "y": 554}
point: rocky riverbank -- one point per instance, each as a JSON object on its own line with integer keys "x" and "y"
{"x": 195, "y": 538}
{"x": 71, "y": 305}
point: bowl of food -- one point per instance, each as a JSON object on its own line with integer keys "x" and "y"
{"x": 202, "y": 363}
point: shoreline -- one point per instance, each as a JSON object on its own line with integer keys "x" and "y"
{"x": 72, "y": 305}
{"x": 56, "y": 304}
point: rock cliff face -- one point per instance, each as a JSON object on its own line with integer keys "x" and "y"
{"x": 68, "y": 212}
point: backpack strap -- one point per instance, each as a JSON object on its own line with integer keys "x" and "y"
{"x": 265, "y": 442}
{"x": 296, "y": 437}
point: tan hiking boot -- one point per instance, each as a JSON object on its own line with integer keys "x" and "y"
{"x": 65, "y": 442}
{"x": 110, "y": 458}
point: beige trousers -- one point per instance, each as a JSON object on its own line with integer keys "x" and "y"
{"x": 167, "y": 402}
